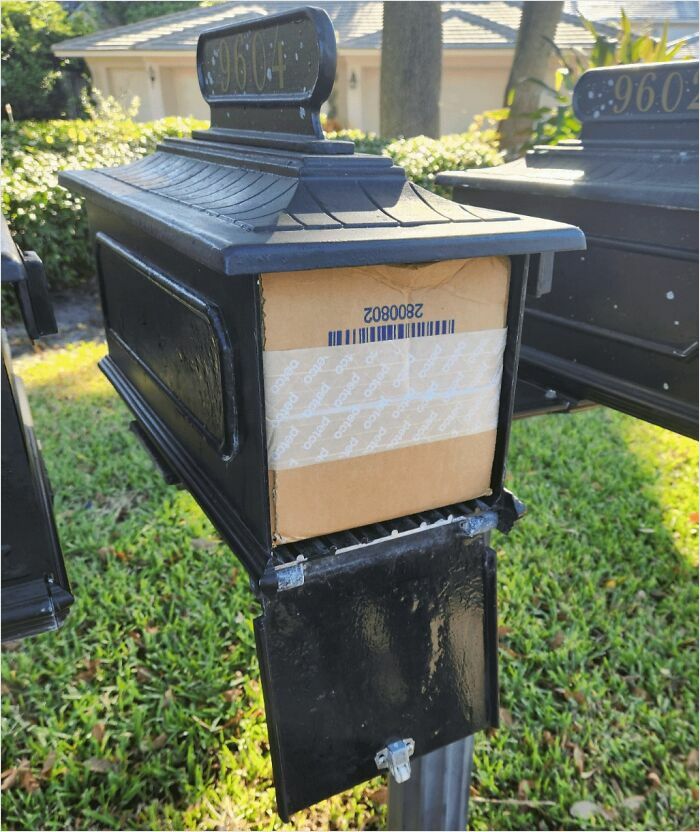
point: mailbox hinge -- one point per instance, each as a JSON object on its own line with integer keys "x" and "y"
{"x": 479, "y": 523}
{"x": 395, "y": 756}
{"x": 278, "y": 577}
{"x": 290, "y": 575}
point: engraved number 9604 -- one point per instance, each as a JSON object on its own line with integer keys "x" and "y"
{"x": 250, "y": 59}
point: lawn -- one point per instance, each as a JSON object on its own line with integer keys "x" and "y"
{"x": 145, "y": 710}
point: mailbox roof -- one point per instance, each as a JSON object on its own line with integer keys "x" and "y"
{"x": 247, "y": 210}
{"x": 637, "y": 175}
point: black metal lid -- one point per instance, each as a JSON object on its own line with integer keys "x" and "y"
{"x": 639, "y": 142}
{"x": 262, "y": 190}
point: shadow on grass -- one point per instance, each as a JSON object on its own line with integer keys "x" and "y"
{"x": 145, "y": 711}
{"x": 598, "y": 605}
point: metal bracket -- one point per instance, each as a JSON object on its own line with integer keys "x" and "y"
{"x": 396, "y": 757}
{"x": 480, "y": 523}
{"x": 290, "y": 575}
{"x": 278, "y": 577}
{"x": 543, "y": 270}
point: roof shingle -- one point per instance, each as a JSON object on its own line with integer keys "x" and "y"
{"x": 492, "y": 24}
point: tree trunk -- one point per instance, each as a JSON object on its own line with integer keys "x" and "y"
{"x": 411, "y": 69}
{"x": 531, "y": 61}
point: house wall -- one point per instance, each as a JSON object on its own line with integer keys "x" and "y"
{"x": 167, "y": 85}
{"x": 124, "y": 78}
{"x": 471, "y": 83}
{"x": 181, "y": 93}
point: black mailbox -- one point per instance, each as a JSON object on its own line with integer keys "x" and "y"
{"x": 276, "y": 309}
{"x": 620, "y": 325}
{"x": 36, "y": 594}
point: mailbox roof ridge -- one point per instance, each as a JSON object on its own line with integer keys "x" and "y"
{"x": 638, "y": 176}
{"x": 282, "y": 161}
{"x": 260, "y": 215}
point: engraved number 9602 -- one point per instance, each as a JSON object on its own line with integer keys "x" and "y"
{"x": 666, "y": 90}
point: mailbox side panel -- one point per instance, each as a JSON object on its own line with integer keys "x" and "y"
{"x": 185, "y": 355}
{"x": 620, "y": 324}
{"x": 35, "y": 590}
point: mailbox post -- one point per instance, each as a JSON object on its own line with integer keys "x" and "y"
{"x": 325, "y": 355}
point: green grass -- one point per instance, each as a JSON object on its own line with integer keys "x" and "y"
{"x": 145, "y": 710}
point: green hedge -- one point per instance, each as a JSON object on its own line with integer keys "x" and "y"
{"x": 422, "y": 157}
{"x": 51, "y": 221}
{"x": 43, "y": 216}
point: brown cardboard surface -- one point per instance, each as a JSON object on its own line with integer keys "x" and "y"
{"x": 299, "y": 309}
{"x": 347, "y": 493}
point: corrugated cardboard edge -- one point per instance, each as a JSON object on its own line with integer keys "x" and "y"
{"x": 451, "y": 288}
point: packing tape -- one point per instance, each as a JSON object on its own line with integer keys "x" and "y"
{"x": 328, "y": 403}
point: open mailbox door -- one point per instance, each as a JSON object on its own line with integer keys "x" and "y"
{"x": 379, "y": 650}
{"x": 36, "y": 594}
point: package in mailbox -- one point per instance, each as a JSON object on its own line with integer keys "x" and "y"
{"x": 307, "y": 340}
{"x": 382, "y": 386}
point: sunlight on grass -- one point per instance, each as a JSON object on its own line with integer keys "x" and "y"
{"x": 667, "y": 459}
{"x": 70, "y": 372}
{"x": 145, "y": 711}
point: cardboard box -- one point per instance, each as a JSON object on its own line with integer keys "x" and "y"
{"x": 382, "y": 386}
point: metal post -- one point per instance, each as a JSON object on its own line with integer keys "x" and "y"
{"x": 437, "y": 795}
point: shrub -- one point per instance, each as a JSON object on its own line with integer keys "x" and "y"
{"x": 31, "y": 74}
{"x": 43, "y": 216}
{"x": 422, "y": 157}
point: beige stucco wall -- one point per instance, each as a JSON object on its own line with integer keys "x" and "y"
{"x": 472, "y": 81}
{"x": 165, "y": 85}
{"x": 181, "y": 93}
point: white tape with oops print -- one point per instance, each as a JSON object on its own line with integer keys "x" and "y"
{"x": 351, "y": 400}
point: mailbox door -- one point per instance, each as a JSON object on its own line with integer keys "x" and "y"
{"x": 395, "y": 640}
{"x": 35, "y": 591}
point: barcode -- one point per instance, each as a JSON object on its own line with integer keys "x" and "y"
{"x": 389, "y": 332}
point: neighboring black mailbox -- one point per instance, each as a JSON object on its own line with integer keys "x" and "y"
{"x": 375, "y": 642}
{"x": 36, "y": 595}
{"x": 620, "y": 325}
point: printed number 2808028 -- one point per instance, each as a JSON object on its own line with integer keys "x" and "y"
{"x": 395, "y": 312}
